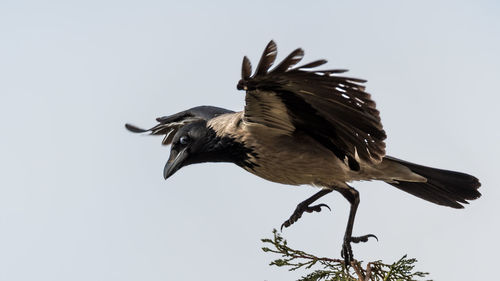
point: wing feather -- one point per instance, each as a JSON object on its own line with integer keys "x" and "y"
{"x": 170, "y": 124}
{"x": 267, "y": 59}
{"x": 246, "y": 68}
{"x": 268, "y": 110}
{"x": 291, "y": 60}
{"x": 335, "y": 110}
{"x": 313, "y": 64}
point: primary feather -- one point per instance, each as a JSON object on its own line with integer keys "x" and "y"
{"x": 334, "y": 110}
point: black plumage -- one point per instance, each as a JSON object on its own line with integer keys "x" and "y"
{"x": 169, "y": 125}
{"x": 354, "y": 124}
{"x": 299, "y": 126}
{"x": 443, "y": 187}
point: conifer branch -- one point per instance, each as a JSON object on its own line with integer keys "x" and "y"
{"x": 328, "y": 269}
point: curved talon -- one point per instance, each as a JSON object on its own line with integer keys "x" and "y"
{"x": 363, "y": 238}
{"x": 316, "y": 208}
{"x": 287, "y": 223}
{"x": 297, "y": 214}
{"x": 346, "y": 252}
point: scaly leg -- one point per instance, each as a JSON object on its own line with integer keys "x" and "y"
{"x": 352, "y": 195}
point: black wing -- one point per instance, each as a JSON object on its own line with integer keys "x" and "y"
{"x": 169, "y": 125}
{"x": 334, "y": 110}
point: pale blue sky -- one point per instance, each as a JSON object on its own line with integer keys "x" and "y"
{"x": 83, "y": 199}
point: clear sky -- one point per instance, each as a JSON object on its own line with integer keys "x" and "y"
{"x": 83, "y": 199}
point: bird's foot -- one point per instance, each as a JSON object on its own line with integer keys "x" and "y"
{"x": 346, "y": 252}
{"x": 301, "y": 208}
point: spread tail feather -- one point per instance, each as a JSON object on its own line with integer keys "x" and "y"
{"x": 443, "y": 187}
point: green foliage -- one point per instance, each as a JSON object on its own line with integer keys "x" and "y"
{"x": 335, "y": 269}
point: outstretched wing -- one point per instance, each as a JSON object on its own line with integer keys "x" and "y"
{"x": 334, "y": 110}
{"x": 169, "y": 125}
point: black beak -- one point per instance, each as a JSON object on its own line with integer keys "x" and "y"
{"x": 175, "y": 162}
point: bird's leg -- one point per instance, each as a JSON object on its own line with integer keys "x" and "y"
{"x": 304, "y": 207}
{"x": 352, "y": 195}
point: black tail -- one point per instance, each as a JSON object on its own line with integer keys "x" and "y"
{"x": 447, "y": 188}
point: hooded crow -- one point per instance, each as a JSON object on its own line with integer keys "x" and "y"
{"x": 301, "y": 126}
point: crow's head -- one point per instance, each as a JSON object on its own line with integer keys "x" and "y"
{"x": 192, "y": 143}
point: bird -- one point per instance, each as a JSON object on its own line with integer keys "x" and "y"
{"x": 305, "y": 126}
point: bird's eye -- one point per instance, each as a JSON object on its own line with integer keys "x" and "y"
{"x": 184, "y": 140}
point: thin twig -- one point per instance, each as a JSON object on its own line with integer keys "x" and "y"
{"x": 335, "y": 269}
